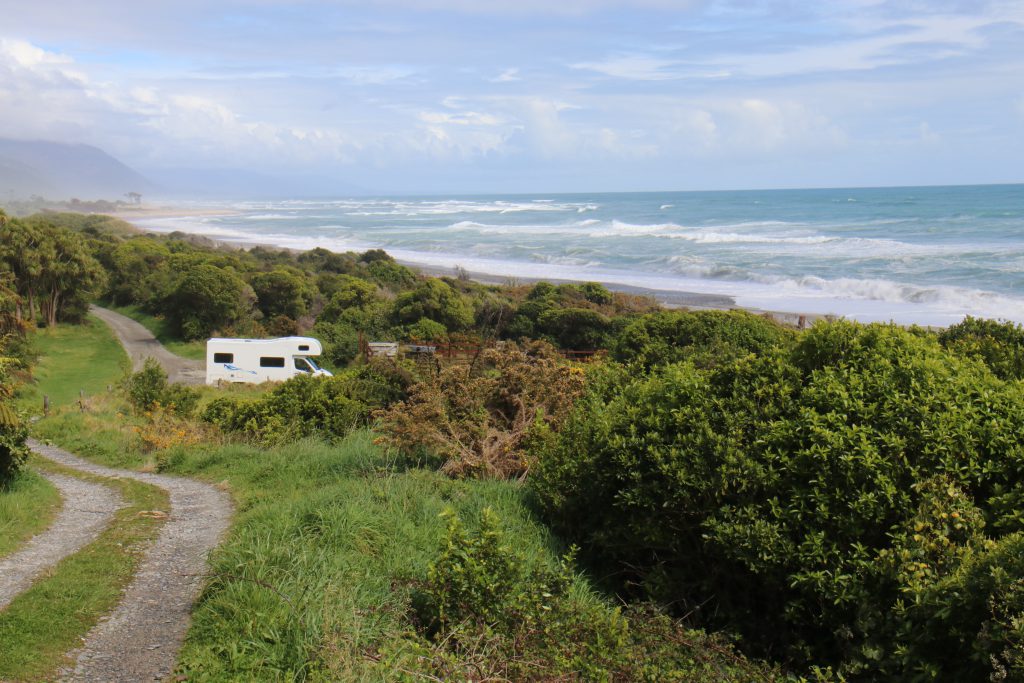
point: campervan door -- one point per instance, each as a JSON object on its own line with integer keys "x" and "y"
{"x": 261, "y": 360}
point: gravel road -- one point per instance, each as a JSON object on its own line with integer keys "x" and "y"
{"x": 140, "y": 344}
{"x": 140, "y": 639}
{"x": 87, "y": 509}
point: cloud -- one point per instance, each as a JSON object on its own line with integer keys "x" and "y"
{"x": 639, "y": 67}
{"x": 867, "y": 43}
{"x": 507, "y": 76}
{"x": 927, "y": 135}
{"x": 633, "y": 67}
{"x": 563, "y": 7}
{"x": 374, "y": 75}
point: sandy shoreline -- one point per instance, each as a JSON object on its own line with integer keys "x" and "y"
{"x": 668, "y": 298}
{"x": 143, "y": 212}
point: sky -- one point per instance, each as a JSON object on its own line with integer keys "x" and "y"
{"x": 487, "y": 96}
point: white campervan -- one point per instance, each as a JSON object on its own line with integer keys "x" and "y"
{"x": 261, "y": 360}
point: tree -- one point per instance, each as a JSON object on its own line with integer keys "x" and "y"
{"x": 131, "y": 263}
{"x": 281, "y": 292}
{"x": 71, "y": 277}
{"x": 204, "y": 298}
{"x": 435, "y": 300}
{"x": 20, "y": 253}
{"x": 52, "y": 268}
{"x": 350, "y": 292}
{"x": 575, "y": 328}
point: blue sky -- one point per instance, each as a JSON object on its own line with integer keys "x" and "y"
{"x": 528, "y": 96}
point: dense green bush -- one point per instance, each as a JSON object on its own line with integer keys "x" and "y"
{"x": 769, "y": 493}
{"x": 575, "y": 328}
{"x": 435, "y": 300}
{"x": 999, "y": 344}
{"x": 707, "y": 337}
{"x": 485, "y": 613}
{"x": 202, "y": 298}
{"x": 282, "y": 292}
{"x": 305, "y": 405}
{"x": 13, "y": 451}
{"x": 148, "y": 389}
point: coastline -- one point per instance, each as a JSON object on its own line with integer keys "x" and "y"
{"x": 669, "y": 299}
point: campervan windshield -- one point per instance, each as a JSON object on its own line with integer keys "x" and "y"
{"x": 304, "y": 364}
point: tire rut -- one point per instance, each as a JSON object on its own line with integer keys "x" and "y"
{"x": 141, "y": 638}
{"x": 86, "y": 510}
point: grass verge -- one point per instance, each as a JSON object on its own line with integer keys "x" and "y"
{"x": 28, "y": 504}
{"x": 194, "y": 350}
{"x": 83, "y": 358}
{"x": 49, "y": 619}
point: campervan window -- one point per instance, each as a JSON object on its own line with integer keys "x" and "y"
{"x": 303, "y": 347}
{"x": 271, "y": 362}
{"x": 223, "y": 358}
{"x": 305, "y": 364}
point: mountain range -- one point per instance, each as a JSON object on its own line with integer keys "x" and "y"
{"x": 58, "y": 170}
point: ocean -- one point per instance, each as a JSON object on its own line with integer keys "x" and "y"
{"x": 925, "y": 255}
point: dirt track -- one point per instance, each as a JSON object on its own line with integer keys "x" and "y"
{"x": 86, "y": 510}
{"x": 140, "y": 344}
{"x": 140, "y": 639}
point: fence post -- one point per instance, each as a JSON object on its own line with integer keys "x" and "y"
{"x": 81, "y": 400}
{"x": 46, "y": 406}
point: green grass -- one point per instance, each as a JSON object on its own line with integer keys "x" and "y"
{"x": 74, "y": 358}
{"x": 315, "y": 578}
{"x": 194, "y": 350}
{"x": 48, "y": 620}
{"x": 28, "y": 505}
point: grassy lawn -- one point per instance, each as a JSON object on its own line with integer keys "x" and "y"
{"x": 195, "y": 350}
{"x": 27, "y": 506}
{"x": 49, "y": 619}
{"x": 74, "y": 358}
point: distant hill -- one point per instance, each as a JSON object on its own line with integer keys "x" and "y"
{"x": 58, "y": 170}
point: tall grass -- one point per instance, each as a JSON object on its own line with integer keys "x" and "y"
{"x": 314, "y": 579}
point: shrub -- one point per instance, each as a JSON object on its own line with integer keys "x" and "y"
{"x": 1000, "y": 345}
{"x": 349, "y": 292}
{"x": 282, "y": 292}
{"x": 707, "y": 337}
{"x": 306, "y": 405}
{"x": 435, "y": 300}
{"x": 575, "y": 328}
{"x": 482, "y": 420}
{"x": 391, "y": 275}
{"x": 485, "y": 613}
{"x": 204, "y": 297}
{"x": 148, "y": 389}
{"x": 13, "y": 451}
{"x": 426, "y": 329}
{"x": 769, "y": 493}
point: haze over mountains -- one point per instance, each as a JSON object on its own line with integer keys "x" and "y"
{"x": 60, "y": 171}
